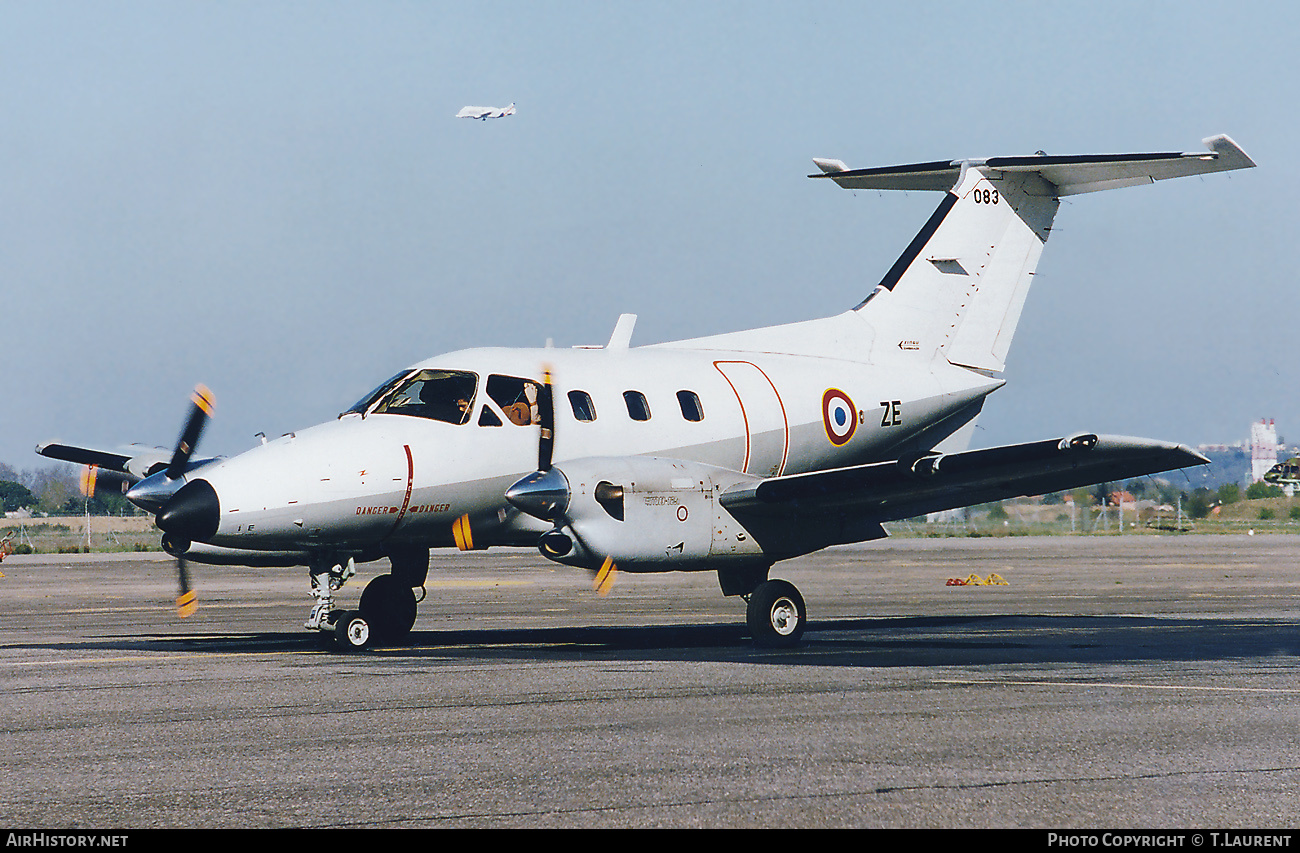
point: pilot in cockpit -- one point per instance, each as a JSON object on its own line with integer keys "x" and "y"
{"x": 442, "y": 401}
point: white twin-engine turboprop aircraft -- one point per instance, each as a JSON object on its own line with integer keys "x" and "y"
{"x": 725, "y": 453}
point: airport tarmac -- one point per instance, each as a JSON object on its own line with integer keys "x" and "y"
{"x": 1137, "y": 681}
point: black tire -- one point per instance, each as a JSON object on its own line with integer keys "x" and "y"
{"x": 389, "y": 606}
{"x": 352, "y": 632}
{"x": 410, "y": 565}
{"x": 776, "y": 615}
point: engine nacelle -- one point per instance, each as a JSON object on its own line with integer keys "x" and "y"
{"x": 649, "y": 515}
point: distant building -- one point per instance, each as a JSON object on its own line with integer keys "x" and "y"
{"x": 1263, "y": 448}
{"x": 1242, "y": 463}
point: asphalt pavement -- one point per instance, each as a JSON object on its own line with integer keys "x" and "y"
{"x": 1135, "y": 681}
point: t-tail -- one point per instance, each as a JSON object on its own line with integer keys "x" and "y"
{"x": 957, "y": 290}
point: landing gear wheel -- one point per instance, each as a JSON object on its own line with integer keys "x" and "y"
{"x": 776, "y": 615}
{"x": 351, "y": 631}
{"x": 389, "y": 607}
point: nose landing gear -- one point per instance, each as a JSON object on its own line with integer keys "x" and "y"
{"x": 351, "y": 630}
{"x": 327, "y": 576}
{"x": 387, "y": 610}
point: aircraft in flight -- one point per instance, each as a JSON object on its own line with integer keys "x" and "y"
{"x": 485, "y": 113}
{"x": 727, "y": 453}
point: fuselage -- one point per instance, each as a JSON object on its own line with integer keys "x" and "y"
{"x": 376, "y": 476}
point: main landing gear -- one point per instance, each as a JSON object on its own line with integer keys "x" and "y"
{"x": 776, "y": 615}
{"x": 387, "y": 610}
{"x": 775, "y": 611}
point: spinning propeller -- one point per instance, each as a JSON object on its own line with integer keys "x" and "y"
{"x": 190, "y": 510}
{"x": 545, "y": 493}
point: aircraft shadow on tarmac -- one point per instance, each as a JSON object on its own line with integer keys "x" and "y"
{"x": 893, "y": 642}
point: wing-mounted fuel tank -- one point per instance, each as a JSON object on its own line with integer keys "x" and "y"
{"x": 647, "y": 514}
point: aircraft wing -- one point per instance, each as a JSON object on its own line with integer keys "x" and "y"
{"x": 888, "y": 491}
{"x": 137, "y": 462}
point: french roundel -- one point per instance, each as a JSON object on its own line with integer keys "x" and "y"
{"x": 839, "y": 416}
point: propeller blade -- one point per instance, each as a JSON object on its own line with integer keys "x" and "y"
{"x": 546, "y": 417}
{"x": 88, "y": 480}
{"x": 604, "y": 580}
{"x": 186, "y": 602}
{"x": 462, "y": 534}
{"x": 203, "y": 404}
{"x": 544, "y": 493}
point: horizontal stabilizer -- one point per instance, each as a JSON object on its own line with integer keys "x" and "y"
{"x": 1069, "y": 175}
{"x": 888, "y": 491}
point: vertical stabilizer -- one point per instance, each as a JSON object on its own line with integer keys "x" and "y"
{"x": 958, "y": 288}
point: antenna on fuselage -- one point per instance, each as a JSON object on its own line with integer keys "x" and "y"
{"x": 622, "y": 336}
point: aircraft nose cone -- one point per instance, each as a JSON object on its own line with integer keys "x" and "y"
{"x": 542, "y": 494}
{"x": 192, "y": 513}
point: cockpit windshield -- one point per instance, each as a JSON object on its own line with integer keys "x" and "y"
{"x": 440, "y": 395}
{"x": 361, "y": 406}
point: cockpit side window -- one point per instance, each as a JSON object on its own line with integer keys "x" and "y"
{"x": 516, "y": 397}
{"x": 440, "y": 395}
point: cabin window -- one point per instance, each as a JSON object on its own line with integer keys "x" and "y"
{"x": 690, "y": 403}
{"x": 440, "y": 395}
{"x": 637, "y": 407}
{"x": 516, "y": 397}
{"x": 583, "y": 408}
{"x": 487, "y": 417}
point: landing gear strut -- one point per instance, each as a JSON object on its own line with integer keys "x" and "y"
{"x": 327, "y": 575}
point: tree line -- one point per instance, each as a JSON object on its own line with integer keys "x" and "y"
{"x": 56, "y": 490}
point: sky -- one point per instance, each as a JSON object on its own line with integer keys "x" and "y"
{"x": 274, "y": 198}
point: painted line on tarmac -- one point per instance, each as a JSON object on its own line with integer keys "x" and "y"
{"x": 475, "y": 583}
{"x": 146, "y": 657}
{"x": 1129, "y": 685}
